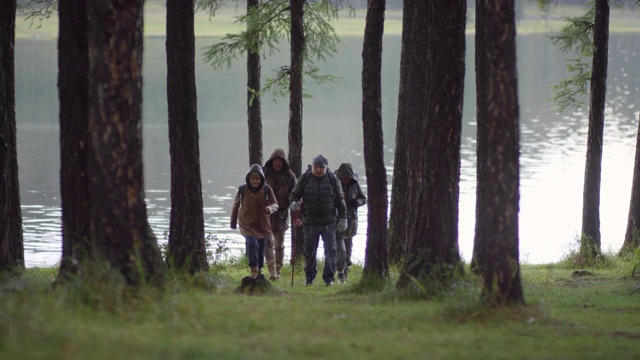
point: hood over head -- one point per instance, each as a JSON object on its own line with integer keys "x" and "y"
{"x": 345, "y": 170}
{"x": 258, "y": 169}
{"x": 278, "y": 153}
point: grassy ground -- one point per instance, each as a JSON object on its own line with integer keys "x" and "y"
{"x": 593, "y": 316}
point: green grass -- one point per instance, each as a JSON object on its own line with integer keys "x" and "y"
{"x": 594, "y": 316}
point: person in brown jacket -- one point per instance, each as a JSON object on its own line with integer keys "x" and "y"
{"x": 252, "y": 207}
{"x": 282, "y": 180}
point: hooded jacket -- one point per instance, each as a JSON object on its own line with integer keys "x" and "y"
{"x": 282, "y": 182}
{"x": 353, "y": 195}
{"x": 248, "y": 209}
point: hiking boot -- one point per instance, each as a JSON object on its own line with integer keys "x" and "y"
{"x": 328, "y": 282}
{"x": 273, "y": 277}
{"x": 342, "y": 278}
{"x": 309, "y": 281}
{"x": 346, "y": 272}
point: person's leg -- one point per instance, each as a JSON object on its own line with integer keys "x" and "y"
{"x": 348, "y": 243}
{"x": 341, "y": 255}
{"x": 251, "y": 245}
{"x": 311, "y": 239}
{"x": 329, "y": 240}
{"x": 270, "y": 257}
{"x": 262, "y": 243}
{"x": 278, "y": 247}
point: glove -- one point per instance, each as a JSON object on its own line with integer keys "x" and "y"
{"x": 353, "y": 203}
{"x": 342, "y": 225}
{"x": 295, "y": 206}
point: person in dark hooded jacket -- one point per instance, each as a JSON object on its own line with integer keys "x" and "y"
{"x": 354, "y": 198}
{"x": 251, "y": 210}
{"x": 282, "y": 180}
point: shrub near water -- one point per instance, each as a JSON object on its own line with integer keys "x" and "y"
{"x": 591, "y": 316}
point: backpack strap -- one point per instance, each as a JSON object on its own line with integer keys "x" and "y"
{"x": 244, "y": 186}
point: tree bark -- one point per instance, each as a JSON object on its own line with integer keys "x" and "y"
{"x": 432, "y": 253}
{"x": 632, "y": 236}
{"x": 399, "y": 194}
{"x": 119, "y": 223}
{"x": 254, "y": 117}
{"x": 376, "y": 263}
{"x": 187, "y": 250}
{"x": 295, "y": 104}
{"x": 498, "y": 153}
{"x": 11, "y": 238}
{"x": 73, "y": 88}
{"x": 590, "y": 240}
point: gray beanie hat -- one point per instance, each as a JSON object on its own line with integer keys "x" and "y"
{"x": 320, "y": 161}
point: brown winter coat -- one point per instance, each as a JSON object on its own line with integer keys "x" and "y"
{"x": 249, "y": 213}
{"x": 282, "y": 182}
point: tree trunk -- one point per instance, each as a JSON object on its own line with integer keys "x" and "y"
{"x": 498, "y": 153}
{"x": 11, "y": 240}
{"x": 399, "y": 199}
{"x": 632, "y": 236}
{"x": 119, "y": 223}
{"x": 73, "y": 87}
{"x": 187, "y": 250}
{"x": 590, "y": 240}
{"x": 295, "y": 104}
{"x": 432, "y": 253}
{"x": 376, "y": 263}
{"x": 254, "y": 117}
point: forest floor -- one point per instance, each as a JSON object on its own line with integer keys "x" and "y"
{"x": 593, "y": 316}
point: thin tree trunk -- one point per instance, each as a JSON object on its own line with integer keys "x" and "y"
{"x": 590, "y": 241}
{"x": 119, "y": 223}
{"x": 11, "y": 238}
{"x": 254, "y": 117}
{"x": 376, "y": 263}
{"x": 499, "y": 149}
{"x": 73, "y": 87}
{"x": 399, "y": 194}
{"x": 187, "y": 250}
{"x": 295, "y": 102}
{"x": 632, "y": 236}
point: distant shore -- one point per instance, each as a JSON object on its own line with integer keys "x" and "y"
{"x": 533, "y": 21}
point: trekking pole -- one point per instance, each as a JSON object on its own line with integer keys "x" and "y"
{"x": 293, "y": 246}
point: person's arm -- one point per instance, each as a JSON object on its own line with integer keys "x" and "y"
{"x": 273, "y": 202}
{"x": 361, "y": 198}
{"x": 235, "y": 211}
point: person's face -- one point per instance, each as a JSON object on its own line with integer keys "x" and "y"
{"x": 277, "y": 164}
{"x": 255, "y": 180}
{"x": 344, "y": 181}
{"x": 319, "y": 171}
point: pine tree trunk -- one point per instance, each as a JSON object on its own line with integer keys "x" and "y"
{"x": 187, "y": 250}
{"x": 499, "y": 149}
{"x": 119, "y": 223}
{"x": 254, "y": 117}
{"x": 376, "y": 263}
{"x": 73, "y": 87}
{"x": 632, "y": 236}
{"x": 433, "y": 229}
{"x": 399, "y": 199}
{"x": 295, "y": 104}
{"x": 11, "y": 238}
{"x": 590, "y": 241}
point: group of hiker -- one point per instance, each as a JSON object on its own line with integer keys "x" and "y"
{"x": 324, "y": 203}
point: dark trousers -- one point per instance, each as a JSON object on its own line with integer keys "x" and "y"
{"x": 312, "y": 235}
{"x": 255, "y": 250}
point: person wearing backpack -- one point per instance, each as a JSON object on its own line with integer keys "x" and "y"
{"x": 252, "y": 207}
{"x": 319, "y": 195}
{"x": 282, "y": 180}
{"x": 354, "y": 198}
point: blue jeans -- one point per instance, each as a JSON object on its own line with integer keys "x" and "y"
{"x": 255, "y": 250}
{"x": 312, "y": 234}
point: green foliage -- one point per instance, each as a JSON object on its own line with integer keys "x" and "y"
{"x": 575, "y": 37}
{"x": 580, "y": 255}
{"x": 266, "y": 26}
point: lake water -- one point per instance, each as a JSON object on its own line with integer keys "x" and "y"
{"x": 552, "y": 145}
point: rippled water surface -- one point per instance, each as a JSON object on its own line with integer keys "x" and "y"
{"x": 553, "y": 146}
